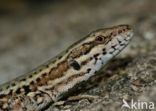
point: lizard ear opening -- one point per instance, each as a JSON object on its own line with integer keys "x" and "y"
{"x": 75, "y": 65}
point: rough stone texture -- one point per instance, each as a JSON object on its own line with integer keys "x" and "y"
{"x": 30, "y": 35}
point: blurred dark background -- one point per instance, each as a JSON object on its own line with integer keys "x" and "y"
{"x": 10, "y": 6}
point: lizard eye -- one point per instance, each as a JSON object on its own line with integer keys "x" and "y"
{"x": 100, "y": 38}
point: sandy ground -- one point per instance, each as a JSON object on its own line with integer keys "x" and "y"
{"x": 31, "y": 36}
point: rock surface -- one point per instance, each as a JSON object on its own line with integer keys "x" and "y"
{"x": 30, "y": 36}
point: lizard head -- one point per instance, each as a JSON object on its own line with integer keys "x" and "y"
{"x": 100, "y": 45}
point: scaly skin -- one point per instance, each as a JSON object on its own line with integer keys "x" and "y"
{"x": 53, "y": 80}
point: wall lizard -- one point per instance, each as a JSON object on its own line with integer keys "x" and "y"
{"x": 53, "y": 80}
